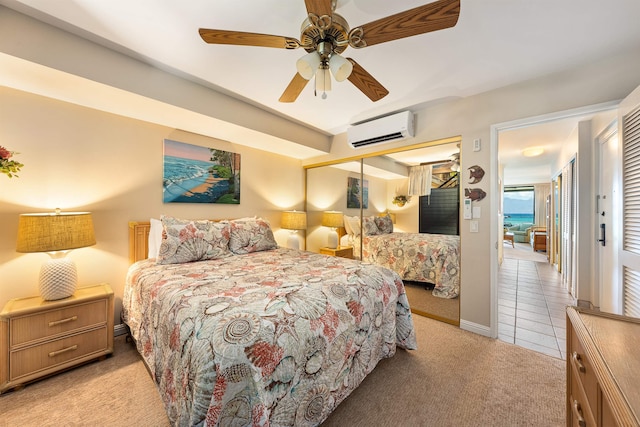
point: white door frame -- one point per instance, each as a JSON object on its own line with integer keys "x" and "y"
{"x": 493, "y": 179}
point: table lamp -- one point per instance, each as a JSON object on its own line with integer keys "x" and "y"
{"x": 333, "y": 220}
{"x": 56, "y": 233}
{"x": 294, "y": 221}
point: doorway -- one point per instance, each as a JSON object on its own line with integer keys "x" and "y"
{"x": 548, "y": 129}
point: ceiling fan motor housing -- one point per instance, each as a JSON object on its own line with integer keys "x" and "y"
{"x": 336, "y": 33}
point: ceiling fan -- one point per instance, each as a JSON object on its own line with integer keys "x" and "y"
{"x": 325, "y": 34}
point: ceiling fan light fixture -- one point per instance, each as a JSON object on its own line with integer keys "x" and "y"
{"x": 323, "y": 80}
{"x": 308, "y": 64}
{"x": 340, "y": 67}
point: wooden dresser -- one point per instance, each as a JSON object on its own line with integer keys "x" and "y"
{"x": 603, "y": 369}
{"x": 39, "y": 338}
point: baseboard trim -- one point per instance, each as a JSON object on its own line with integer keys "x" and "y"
{"x": 475, "y": 328}
{"x": 120, "y": 329}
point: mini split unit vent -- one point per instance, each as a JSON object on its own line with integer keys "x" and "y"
{"x": 386, "y": 129}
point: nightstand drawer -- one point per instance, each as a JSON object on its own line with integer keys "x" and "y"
{"x": 40, "y": 357}
{"x": 33, "y": 327}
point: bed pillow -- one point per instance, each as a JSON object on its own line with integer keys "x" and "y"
{"x": 188, "y": 240}
{"x": 352, "y": 225}
{"x": 369, "y": 227}
{"x": 155, "y": 237}
{"x": 385, "y": 224}
{"x": 251, "y": 235}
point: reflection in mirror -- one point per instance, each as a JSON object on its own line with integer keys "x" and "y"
{"x": 379, "y": 212}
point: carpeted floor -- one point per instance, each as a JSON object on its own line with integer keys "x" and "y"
{"x": 423, "y": 302}
{"x": 455, "y": 378}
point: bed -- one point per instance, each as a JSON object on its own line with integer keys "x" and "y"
{"x": 420, "y": 257}
{"x": 258, "y": 334}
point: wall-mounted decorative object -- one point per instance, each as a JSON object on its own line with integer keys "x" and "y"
{"x": 194, "y": 174}
{"x": 9, "y": 167}
{"x": 401, "y": 200}
{"x": 353, "y": 193}
{"x": 476, "y": 173}
{"x": 475, "y": 194}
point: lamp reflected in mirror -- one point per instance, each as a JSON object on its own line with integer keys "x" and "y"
{"x": 333, "y": 220}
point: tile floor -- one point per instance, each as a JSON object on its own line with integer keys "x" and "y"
{"x": 531, "y": 306}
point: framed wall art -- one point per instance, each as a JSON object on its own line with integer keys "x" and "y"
{"x": 354, "y": 188}
{"x": 195, "y": 174}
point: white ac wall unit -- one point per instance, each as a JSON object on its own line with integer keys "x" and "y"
{"x": 386, "y": 129}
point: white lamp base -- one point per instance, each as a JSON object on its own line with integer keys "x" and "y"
{"x": 332, "y": 239}
{"x": 293, "y": 241}
{"x": 58, "y": 279}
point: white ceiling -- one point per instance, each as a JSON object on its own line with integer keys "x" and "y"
{"x": 495, "y": 43}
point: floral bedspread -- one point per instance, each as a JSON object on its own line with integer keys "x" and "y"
{"x": 423, "y": 257}
{"x": 277, "y": 337}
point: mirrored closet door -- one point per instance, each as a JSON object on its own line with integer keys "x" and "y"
{"x": 374, "y": 185}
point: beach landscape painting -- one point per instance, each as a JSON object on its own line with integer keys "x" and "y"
{"x": 195, "y": 174}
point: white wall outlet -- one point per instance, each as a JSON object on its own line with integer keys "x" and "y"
{"x": 477, "y": 144}
{"x": 473, "y": 226}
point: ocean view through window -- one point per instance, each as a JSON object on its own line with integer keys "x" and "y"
{"x": 519, "y": 207}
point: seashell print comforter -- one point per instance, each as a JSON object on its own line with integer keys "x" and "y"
{"x": 422, "y": 257}
{"x": 277, "y": 338}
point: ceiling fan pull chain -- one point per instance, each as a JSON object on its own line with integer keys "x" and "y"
{"x": 356, "y": 38}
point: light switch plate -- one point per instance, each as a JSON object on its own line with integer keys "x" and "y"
{"x": 477, "y": 144}
{"x": 473, "y": 226}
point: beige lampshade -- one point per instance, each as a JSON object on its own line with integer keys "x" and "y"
{"x": 332, "y": 219}
{"x": 47, "y": 232}
{"x": 294, "y": 220}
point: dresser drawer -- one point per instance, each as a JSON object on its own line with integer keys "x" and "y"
{"x": 33, "y": 359}
{"x": 580, "y": 409}
{"x": 50, "y": 323}
{"x": 583, "y": 369}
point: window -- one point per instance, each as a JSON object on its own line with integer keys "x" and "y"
{"x": 519, "y": 205}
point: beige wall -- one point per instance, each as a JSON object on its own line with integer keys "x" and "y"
{"x": 77, "y": 158}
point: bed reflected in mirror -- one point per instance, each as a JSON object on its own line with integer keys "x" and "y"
{"x": 384, "y": 224}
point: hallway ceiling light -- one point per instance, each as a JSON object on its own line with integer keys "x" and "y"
{"x": 532, "y": 151}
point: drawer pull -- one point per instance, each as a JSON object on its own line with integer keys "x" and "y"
{"x": 578, "y": 413}
{"x": 60, "y": 322}
{"x": 64, "y": 350}
{"x": 578, "y": 361}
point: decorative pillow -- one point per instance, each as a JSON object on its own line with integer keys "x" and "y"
{"x": 187, "y": 240}
{"x": 369, "y": 227}
{"x": 385, "y": 224}
{"x": 155, "y": 237}
{"x": 251, "y": 235}
{"x": 352, "y": 225}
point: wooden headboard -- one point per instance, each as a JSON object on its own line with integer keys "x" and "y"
{"x": 138, "y": 240}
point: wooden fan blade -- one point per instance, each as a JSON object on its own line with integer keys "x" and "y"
{"x": 318, "y": 7}
{"x": 366, "y": 83}
{"x": 247, "y": 39}
{"x": 294, "y": 89}
{"x": 434, "y": 16}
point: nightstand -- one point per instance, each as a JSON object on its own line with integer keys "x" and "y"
{"x": 341, "y": 251}
{"x": 40, "y": 338}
